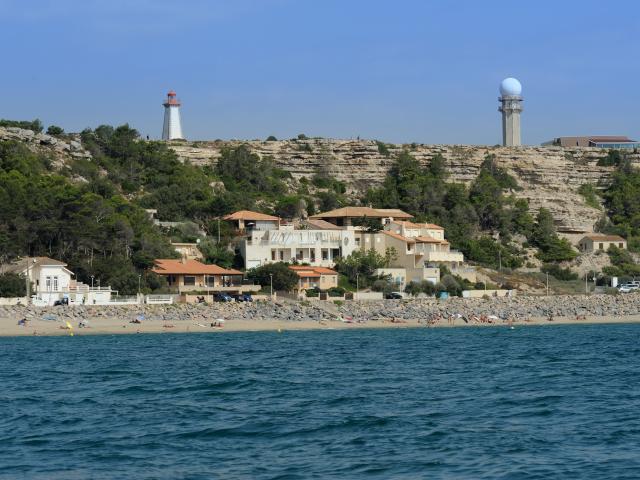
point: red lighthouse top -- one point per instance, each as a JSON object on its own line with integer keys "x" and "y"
{"x": 171, "y": 99}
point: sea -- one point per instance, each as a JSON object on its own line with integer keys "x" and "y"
{"x": 547, "y": 402}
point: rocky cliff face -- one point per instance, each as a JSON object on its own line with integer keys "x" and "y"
{"x": 59, "y": 149}
{"x": 549, "y": 176}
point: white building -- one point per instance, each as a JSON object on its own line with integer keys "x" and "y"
{"x": 318, "y": 248}
{"x": 51, "y": 281}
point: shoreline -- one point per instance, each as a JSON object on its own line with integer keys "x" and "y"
{"x": 113, "y": 326}
{"x": 310, "y": 315}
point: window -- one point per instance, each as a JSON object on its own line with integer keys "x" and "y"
{"x": 620, "y": 245}
{"x": 601, "y": 246}
{"x": 189, "y": 280}
{"x": 210, "y": 280}
{"x": 273, "y": 255}
{"x": 55, "y": 283}
{"x": 312, "y": 253}
{"x": 48, "y": 282}
{"x": 325, "y": 254}
{"x": 281, "y": 255}
{"x": 299, "y": 254}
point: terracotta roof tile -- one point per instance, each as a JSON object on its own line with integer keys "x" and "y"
{"x": 249, "y": 215}
{"x": 398, "y": 236}
{"x": 355, "y": 212}
{"x": 189, "y": 267}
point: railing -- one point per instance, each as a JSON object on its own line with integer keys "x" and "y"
{"x": 159, "y": 299}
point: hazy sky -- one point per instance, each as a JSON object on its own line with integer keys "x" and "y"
{"x": 396, "y": 70}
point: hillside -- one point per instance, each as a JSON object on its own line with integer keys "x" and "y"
{"x": 549, "y": 176}
{"x": 81, "y": 197}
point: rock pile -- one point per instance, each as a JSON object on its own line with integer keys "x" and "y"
{"x": 504, "y": 307}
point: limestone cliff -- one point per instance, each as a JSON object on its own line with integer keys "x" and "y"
{"x": 549, "y": 176}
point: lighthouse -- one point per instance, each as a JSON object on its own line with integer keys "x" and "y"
{"x": 172, "y": 128}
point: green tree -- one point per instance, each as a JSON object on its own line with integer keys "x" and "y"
{"x": 284, "y": 279}
{"x": 551, "y": 247}
{"x": 12, "y": 285}
{"x": 55, "y": 130}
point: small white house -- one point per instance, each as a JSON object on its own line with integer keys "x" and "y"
{"x": 50, "y": 278}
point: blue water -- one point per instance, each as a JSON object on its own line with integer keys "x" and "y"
{"x": 536, "y": 402}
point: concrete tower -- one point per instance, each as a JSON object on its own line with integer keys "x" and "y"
{"x": 172, "y": 128}
{"x": 510, "y": 106}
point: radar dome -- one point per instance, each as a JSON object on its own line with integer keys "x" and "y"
{"x": 510, "y": 87}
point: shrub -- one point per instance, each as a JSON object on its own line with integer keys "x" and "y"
{"x": 383, "y": 149}
{"x": 336, "y": 292}
{"x": 559, "y": 273}
{"x": 12, "y": 285}
{"x": 55, "y": 130}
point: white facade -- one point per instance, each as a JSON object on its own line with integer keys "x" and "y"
{"x": 318, "y": 248}
{"x": 172, "y": 127}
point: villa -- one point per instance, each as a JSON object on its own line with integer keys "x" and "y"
{"x": 191, "y": 275}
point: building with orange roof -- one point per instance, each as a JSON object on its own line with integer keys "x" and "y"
{"x": 600, "y": 242}
{"x": 191, "y": 275}
{"x": 350, "y": 216}
{"x": 246, "y": 220}
{"x": 315, "y": 277}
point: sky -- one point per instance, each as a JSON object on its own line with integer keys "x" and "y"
{"x": 422, "y": 71}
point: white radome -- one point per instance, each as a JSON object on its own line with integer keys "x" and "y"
{"x": 510, "y": 87}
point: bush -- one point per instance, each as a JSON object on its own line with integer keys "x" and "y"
{"x": 54, "y": 130}
{"x": 283, "y": 277}
{"x": 613, "y": 159}
{"x": 383, "y": 149}
{"x": 271, "y": 138}
{"x": 336, "y": 292}
{"x": 12, "y": 285}
{"x": 312, "y": 293}
{"x": 559, "y": 273}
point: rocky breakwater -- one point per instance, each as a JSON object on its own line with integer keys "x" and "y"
{"x": 413, "y": 310}
{"x": 520, "y": 308}
{"x": 547, "y": 176}
{"x": 170, "y": 313}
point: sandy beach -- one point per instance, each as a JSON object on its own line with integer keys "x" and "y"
{"x": 114, "y": 326}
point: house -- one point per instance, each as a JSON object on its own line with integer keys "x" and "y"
{"x": 315, "y": 277}
{"x": 51, "y": 280}
{"x": 246, "y": 220}
{"x": 191, "y": 275}
{"x": 596, "y": 242}
{"x": 190, "y": 251}
{"x": 317, "y": 247}
{"x": 351, "y": 216}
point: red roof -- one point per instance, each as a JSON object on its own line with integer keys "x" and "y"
{"x": 249, "y": 215}
{"x": 304, "y": 271}
{"x": 189, "y": 267}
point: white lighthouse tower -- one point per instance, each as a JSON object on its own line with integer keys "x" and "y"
{"x": 172, "y": 128}
{"x": 510, "y": 106}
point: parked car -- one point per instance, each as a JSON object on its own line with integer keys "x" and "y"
{"x": 243, "y": 297}
{"x": 62, "y": 301}
{"x": 628, "y": 287}
{"x": 394, "y": 296}
{"x": 222, "y": 297}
